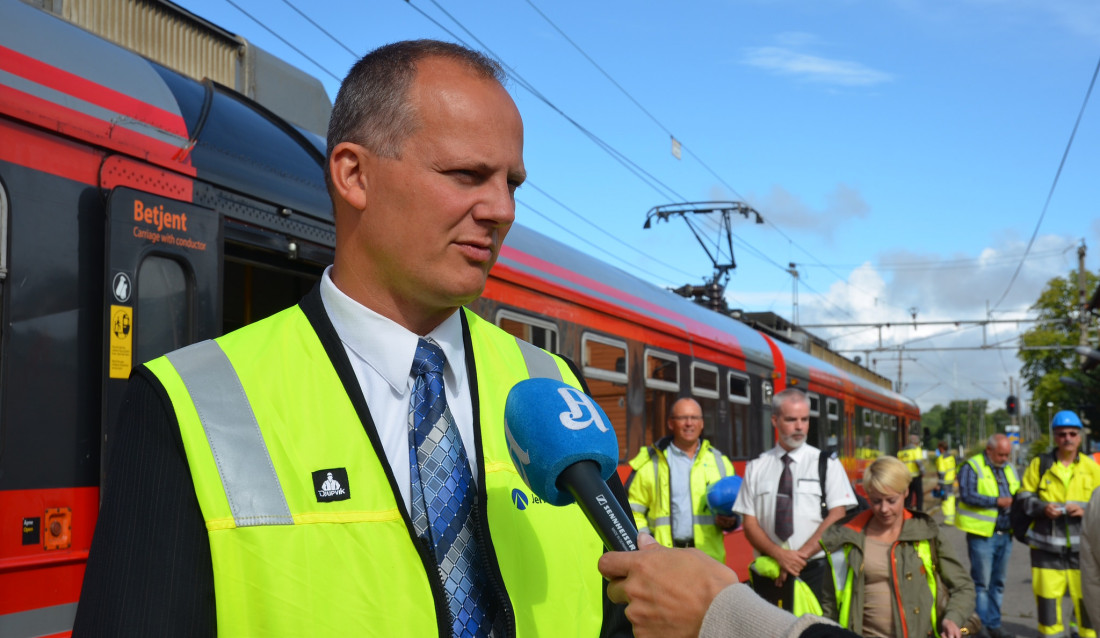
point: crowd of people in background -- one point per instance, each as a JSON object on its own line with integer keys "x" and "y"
{"x": 886, "y": 569}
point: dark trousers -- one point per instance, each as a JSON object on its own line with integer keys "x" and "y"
{"x": 916, "y": 494}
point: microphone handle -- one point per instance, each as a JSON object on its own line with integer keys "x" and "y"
{"x": 615, "y": 527}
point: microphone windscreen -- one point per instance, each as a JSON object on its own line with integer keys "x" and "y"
{"x": 722, "y": 494}
{"x": 551, "y": 425}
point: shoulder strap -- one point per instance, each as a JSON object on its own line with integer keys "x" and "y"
{"x": 822, "y": 472}
{"x": 1046, "y": 461}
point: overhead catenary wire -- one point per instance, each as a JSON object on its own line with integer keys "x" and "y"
{"x": 1053, "y": 185}
{"x": 285, "y": 41}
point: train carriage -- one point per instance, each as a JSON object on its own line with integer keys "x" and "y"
{"x": 142, "y": 210}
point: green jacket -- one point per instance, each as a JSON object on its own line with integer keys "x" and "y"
{"x": 909, "y": 582}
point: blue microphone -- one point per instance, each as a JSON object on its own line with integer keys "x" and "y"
{"x": 565, "y": 449}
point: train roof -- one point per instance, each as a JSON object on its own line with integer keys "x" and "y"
{"x": 64, "y": 78}
{"x": 803, "y": 365}
{"x": 582, "y": 275}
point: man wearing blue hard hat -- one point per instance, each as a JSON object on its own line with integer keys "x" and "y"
{"x": 668, "y": 489}
{"x": 1056, "y": 490}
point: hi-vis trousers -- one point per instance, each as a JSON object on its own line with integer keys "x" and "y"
{"x": 1051, "y": 574}
{"x": 947, "y": 504}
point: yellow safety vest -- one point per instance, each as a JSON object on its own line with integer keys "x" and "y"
{"x": 945, "y": 467}
{"x": 650, "y": 496}
{"x": 978, "y": 520}
{"x": 287, "y": 564}
{"x": 912, "y": 457}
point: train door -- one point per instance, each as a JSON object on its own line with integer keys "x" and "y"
{"x": 162, "y": 289}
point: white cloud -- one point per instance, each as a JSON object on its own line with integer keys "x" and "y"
{"x": 885, "y": 292}
{"x": 813, "y": 68}
{"x": 787, "y": 210}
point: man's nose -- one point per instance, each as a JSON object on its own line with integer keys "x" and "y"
{"x": 497, "y": 203}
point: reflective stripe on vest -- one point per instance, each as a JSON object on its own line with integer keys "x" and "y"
{"x": 924, "y": 550}
{"x": 248, "y": 476}
{"x": 842, "y": 583}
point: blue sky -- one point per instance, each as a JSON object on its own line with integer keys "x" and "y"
{"x": 901, "y": 151}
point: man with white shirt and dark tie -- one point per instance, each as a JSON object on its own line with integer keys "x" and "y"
{"x": 781, "y": 498}
{"x": 379, "y": 381}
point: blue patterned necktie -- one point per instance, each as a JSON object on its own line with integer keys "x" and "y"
{"x": 444, "y": 495}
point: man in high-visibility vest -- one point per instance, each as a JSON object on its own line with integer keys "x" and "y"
{"x": 341, "y": 467}
{"x": 668, "y": 489}
{"x": 1056, "y": 500}
{"x": 914, "y": 456}
{"x": 945, "y": 468}
{"x": 987, "y": 482}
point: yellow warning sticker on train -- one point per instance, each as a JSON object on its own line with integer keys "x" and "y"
{"x": 121, "y": 350}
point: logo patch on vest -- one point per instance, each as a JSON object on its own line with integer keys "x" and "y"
{"x": 331, "y": 485}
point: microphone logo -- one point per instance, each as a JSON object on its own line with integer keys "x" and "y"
{"x": 579, "y": 405}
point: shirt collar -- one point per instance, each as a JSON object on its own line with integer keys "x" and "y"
{"x": 387, "y": 347}
{"x": 796, "y": 455}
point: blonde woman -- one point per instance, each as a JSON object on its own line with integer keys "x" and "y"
{"x": 889, "y": 565}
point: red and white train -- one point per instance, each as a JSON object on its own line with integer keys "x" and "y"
{"x": 142, "y": 210}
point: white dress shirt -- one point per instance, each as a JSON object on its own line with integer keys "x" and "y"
{"x": 381, "y": 353}
{"x": 761, "y": 483}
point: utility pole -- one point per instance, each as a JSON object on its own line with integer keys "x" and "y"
{"x": 901, "y": 355}
{"x": 1083, "y": 317}
{"x": 969, "y": 407}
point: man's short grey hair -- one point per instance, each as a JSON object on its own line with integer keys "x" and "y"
{"x": 994, "y": 439}
{"x": 792, "y": 395}
{"x": 372, "y": 108}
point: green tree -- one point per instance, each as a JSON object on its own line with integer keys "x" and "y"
{"x": 1054, "y": 376}
{"x": 961, "y": 422}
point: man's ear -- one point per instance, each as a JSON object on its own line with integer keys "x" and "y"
{"x": 347, "y": 166}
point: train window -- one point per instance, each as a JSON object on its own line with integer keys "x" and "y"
{"x": 604, "y": 358}
{"x": 704, "y": 380}
{"x": 662, "y": 371}
{"x": 605, "y": 366}
{"x": 830, "y": 428}
{"x": 539, "y": 332}
{"x": 662, "y": 388}
{"x": 739, "y": 397}
{"x": 765, "y": 431}
{"x": 163, "y": 308}
{"x": 704, "y": 389}
{"x": 814, "y": 435}
{"x": 866, "y": 418}
{"x": 739, "y": 388}
{"x": 878, "y": 420}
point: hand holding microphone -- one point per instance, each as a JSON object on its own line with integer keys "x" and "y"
{"x": 564, "y": 447}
